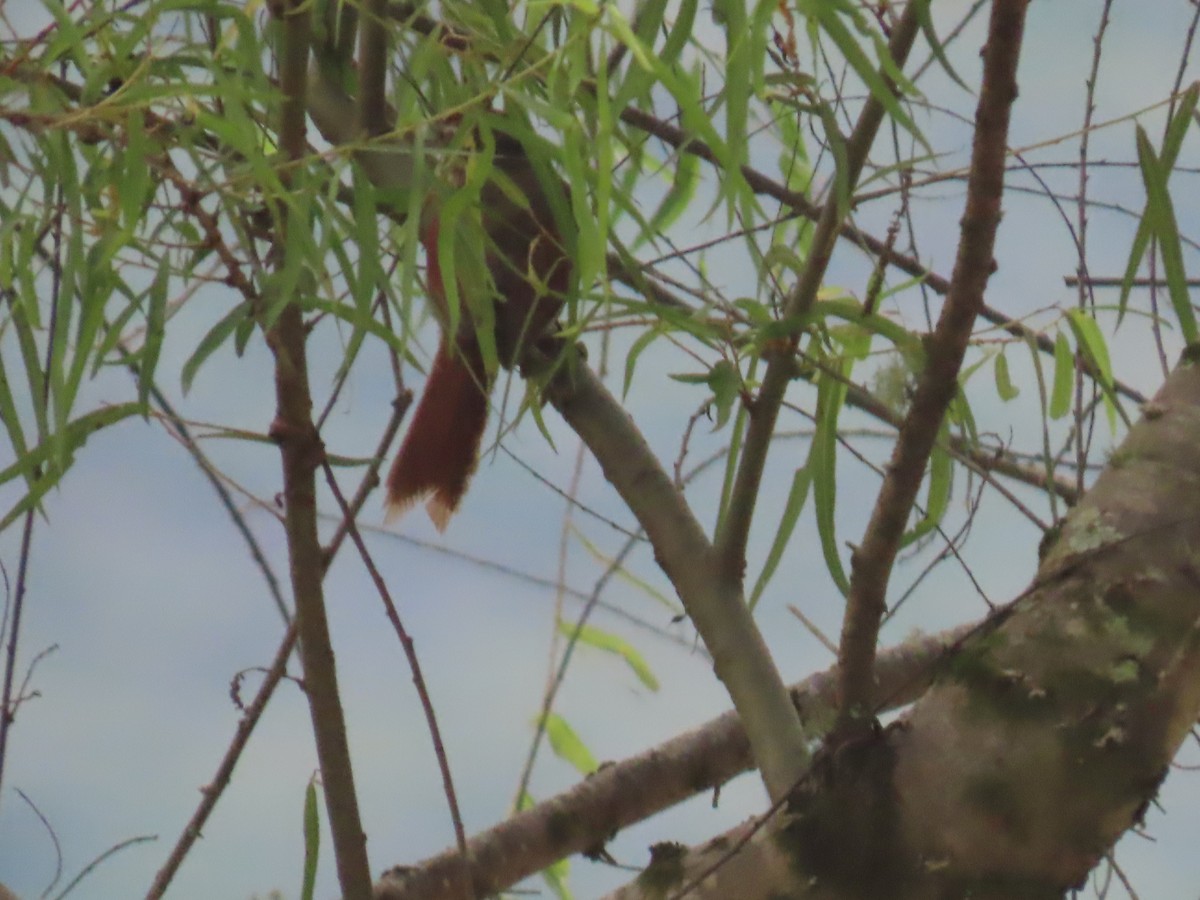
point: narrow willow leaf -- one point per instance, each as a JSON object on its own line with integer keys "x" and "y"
{"x": 215, "y": 337}
{"x": 55, "y": 453}
{"x": 680, "y": 33}
{"x": 831, "y": 23}
{"x": 1160, "y": 213}
{"x": 567, "y": 745}
{"x": 628, "y": 577}
{"x": 34, "y": 376}
{"x": 679, "y": 195}
{"x": 797, "y": 496}
{"x": 1091, "y": 343}
{"x": 939, "y": 52}
{"x": 822, "y": 463}
{"x": 555, "y": 876}
{"x": 312, "y": 841}
{"x": 156, "y": 317}
{"x": 1064, "y": 377}
{"x": 9, "y": 416}
{"x": 1004, "y": 386}
{"x": 941, "y": 477}
{"x": 644, "y": 340}
{"x": 1176, "y": 131}
{"x": 589, "y": 244}
{"x": 611, "y": 643}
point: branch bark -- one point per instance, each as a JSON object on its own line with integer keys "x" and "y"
{"x": 620, "y": 795}
{"x": 1046, "y": 733}
{"x": 301, "y": 451}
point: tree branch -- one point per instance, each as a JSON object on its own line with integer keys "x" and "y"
{"x": 622, "y": 794}
{"x": 301, "y": 451}
{"x": 714, "y": 603}
{"x": 735, "y": 526}
{"x": 872, "y": 562}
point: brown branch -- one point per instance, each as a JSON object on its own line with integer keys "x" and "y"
{"x": 872, "y": 562}
{"x": 764, "y": 411}
{"x": 715, "y": 604}
{"x": 619, "y": 795}
{"x": 414, "y": 665}
{"x": 301, "y": 451}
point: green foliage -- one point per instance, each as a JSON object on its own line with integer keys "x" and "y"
{"x": 567, "y": 745}
{"x": 591, "y": 636}
{"x": 312, "y": 840}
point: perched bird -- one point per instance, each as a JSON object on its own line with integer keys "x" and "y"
{"x": 528, "y": 272}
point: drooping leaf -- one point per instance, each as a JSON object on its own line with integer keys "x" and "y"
{"x": 568, "y": 746}
{"x": 797, "y": 496}
{"x": 1064, "y": 377}
{"x": 1004, "y": 386}
{"x": 614, "y": 644}
{"x": 312, "y": 841}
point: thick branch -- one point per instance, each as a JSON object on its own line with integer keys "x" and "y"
{"x": 620, "y": 795}
{"x": 872, "y": 561}
{"x": 714, "y": 603}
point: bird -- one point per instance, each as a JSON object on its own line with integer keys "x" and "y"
{"x": 528, "y": 272}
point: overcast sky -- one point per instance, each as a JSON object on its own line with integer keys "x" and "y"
{"x": 152, "y": 603}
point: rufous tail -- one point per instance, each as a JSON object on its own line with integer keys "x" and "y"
{"x": 441, "y": 449}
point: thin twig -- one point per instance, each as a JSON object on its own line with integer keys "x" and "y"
{"x": 212, "y": 791}
{"x": 414, "y": 664}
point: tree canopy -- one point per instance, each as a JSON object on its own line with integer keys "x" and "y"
{"x": 869, "y": 311}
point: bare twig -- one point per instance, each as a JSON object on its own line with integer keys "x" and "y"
{"x": 414, "y": 665}
{"x": 212, "y": 791}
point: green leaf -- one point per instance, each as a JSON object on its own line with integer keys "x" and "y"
{"x": 644, "y": 340}
{"x": 211, "y": 341}
{"x": 1004, "y": 386}
{"x": 680, "y": 33}
{"x": 826, "y": 14}
{"x": 822, "y": 463}
{"x": 1091, "y": 343}
{"x": 939, "y": 52}
{"x": 1160, "y": 214}
{"x": 797, "y": 496}
{"x": 941, "y": 472}
{"x": 567, "y": 745}
{"x": 55, "y": 454}
{"x": 725, "y": 383}
{"x": 682, "y": 190}
{"x": 611, "y": 643}
{"x": 1064, "y": 377}
{"x": 1176, "y": 131}
{"x": 156, "y": 316}
{"x": 555, "y": 876}
{"x": 312, "y": 840}
{"x": 9, "y": 416}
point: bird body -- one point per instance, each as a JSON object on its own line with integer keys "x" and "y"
{"x": 528, "y": 273}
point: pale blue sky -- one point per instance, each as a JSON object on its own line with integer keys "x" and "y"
{"x": 154, "y": 604}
